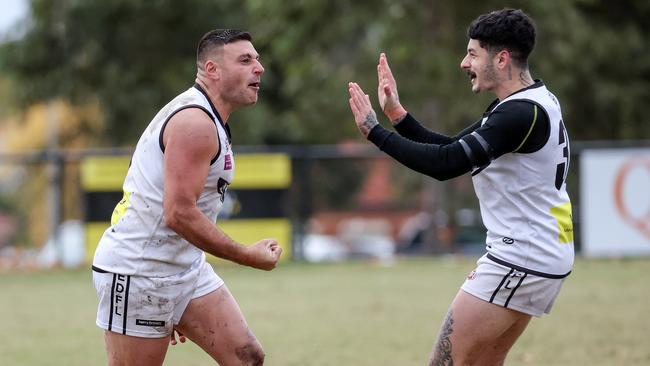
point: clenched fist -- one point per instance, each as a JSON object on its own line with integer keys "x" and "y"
{"x": 264, "y": 254}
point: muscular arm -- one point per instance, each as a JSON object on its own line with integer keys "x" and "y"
{"x": 516, "y": 126}
{"x": 190, "y": 143}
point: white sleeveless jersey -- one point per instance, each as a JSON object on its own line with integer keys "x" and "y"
{"x": 523, "y": 198}
{"x": 138, "y": 242}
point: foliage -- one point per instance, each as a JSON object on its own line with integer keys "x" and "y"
{"x": 134, "y": 55}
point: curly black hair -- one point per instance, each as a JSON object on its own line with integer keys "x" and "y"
{"x": 509, "y": 29}
{"x": 217, "y": 38}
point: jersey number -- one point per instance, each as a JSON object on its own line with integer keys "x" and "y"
{"x": 563, "y": 167}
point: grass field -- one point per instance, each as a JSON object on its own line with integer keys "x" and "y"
{"x": 353, "y": 314}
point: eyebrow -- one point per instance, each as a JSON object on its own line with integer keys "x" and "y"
{"x": 249, "y": 55}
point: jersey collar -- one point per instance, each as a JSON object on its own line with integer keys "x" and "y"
{"x": 214, "y": 110}
{"x": 538, "y": 83}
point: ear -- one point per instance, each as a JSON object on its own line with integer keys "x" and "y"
{"x": 502, "y": 58}
{"x": 212, "y": 69}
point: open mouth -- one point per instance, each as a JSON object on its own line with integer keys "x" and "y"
{"x": 472, "y": 76}
{"x": 255, "y": 85}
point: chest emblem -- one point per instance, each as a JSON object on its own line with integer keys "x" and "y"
{"x": 227, "y": 162}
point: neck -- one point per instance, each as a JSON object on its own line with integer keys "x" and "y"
{"x": 222, "y": 106}
{"x": 513, "y": 80}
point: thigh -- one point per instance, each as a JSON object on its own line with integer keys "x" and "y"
{"x": 496, "y": 352}
{"x": 471, "y": 326}
{"x": 139, "y": 306}
{"x": 216, "y": 323}
{"x": 124, "y": 350}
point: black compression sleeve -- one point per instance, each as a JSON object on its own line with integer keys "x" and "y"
{"x": 439, "y": 161}
{"x": 515, "y": 126}
{"x": 412, "y": 129}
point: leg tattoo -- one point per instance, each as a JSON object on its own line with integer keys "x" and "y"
{"x": 442, "y": 352}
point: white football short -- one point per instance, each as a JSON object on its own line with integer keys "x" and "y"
{"x": 513, "y": 287}
{"x": 149, "y": 307}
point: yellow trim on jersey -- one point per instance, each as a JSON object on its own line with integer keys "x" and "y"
{"x": 562, "y": 214}
{"x": 529, "y": 130}
{"x": 120, "y": 208}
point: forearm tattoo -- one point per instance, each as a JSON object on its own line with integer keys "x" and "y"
{"x": 442, "y": 352}
{"x": 368, "y": 123}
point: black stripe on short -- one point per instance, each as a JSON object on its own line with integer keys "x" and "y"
{"x": 526, "y": 270}
{"x": 512, "y": 293}
{"x": 98, "y": 270}
{"x": 494, "y": 294}
{"x": 110, "y": 308}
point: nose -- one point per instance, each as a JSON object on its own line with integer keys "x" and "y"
{"x": 464, "y": 63}
{"x": 258, "y": 69}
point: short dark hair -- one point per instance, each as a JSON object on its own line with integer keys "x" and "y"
{"x": 217, "y": 38}
{"x": 509, "y": 29}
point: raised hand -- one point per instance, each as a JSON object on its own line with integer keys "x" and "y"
{"x": 387, "y": 92}
{"x": 264, "y": 254}
{"x": 364, "y": 115}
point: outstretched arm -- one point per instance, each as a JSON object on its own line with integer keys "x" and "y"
{"x": 438, "y": 161}
{"x": 517, "y": 126}
{"x": 190, "y": 143}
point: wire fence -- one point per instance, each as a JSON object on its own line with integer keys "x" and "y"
{"x": 342, "y": 201}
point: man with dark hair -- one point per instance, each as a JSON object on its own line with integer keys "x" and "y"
{"x": 149, "y": 269}
{"x": 518, "y": 156}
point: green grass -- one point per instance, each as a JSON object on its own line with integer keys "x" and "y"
{"x": 353, "y": 314}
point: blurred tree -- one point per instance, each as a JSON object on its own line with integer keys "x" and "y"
{"x": 134, "y": 55}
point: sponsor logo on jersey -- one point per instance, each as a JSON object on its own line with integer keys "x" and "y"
{"x": 227, "y": 164}
{"x": 222, "y": 187}
{"x": 508, "y": 240}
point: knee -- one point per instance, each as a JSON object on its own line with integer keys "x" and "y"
{"x": 251, "y": 354}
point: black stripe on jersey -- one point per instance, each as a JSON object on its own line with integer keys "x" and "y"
{"x": 110, "y": 308}
{"x": 526, "y": 270}
{"x": 126, "y": 304}
{"x": 560, "y": 174}
{"x": 162, "y": 129}
{"x": 494, "y": 294}
{"x": 512, "y": 293}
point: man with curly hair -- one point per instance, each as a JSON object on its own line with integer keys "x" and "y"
{"x": 518, "y": 156}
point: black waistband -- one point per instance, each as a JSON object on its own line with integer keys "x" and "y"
{"x": 99, "y": 270}
{"x": 526, "y": 270}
